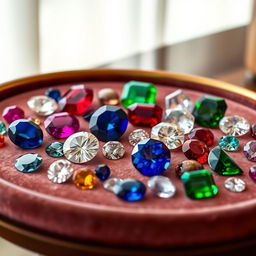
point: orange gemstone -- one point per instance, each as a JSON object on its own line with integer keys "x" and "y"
{"x": 1, "y": 140}
{"x": 84, "y": 179}
{"x": 108, "y": 96}
{"x": 35, "y": 120}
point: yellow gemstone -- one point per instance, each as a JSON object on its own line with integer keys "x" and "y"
{"x": 35, "y": 120}
{"x": 84, "y": 179}
{"x": 108, "y": 96}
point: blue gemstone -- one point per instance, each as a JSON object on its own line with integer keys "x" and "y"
{"x": 108, "y": 123}
{"x": 2, "y": 128}
{"x": 28, "y": 162}
{"x": 102, "y": 171}
{"x": 53, "y": 93}
{"x": 25, "y": 134}
{"x": 55, "y": 149}
{"x": 131, "y": 190}
{"x": 229, "y": 143}
{"x": 151, "y": 157}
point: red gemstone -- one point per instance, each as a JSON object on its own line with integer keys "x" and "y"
{"x": 202, "y": 134}
{"x": 1, "y": 140}
{"x": 76, "y": 100}
{"x": 196, "y": 149}
{"x": 253, "y": 131}
{"x": 141, "y": 114}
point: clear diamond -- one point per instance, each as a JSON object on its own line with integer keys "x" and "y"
{"x": 235, "y": 184}
{"x": 60, "y": 171}
{"x": 161, "y": 186}
{"x": 137, "y": 135}
{"x": 234, "y": 125}
{"x": 170, "y": 134}
{"x": 113, "y": 150}
{"x": 81, "y": 147}
{"x": 178, "y": 100}
{"x": 183, "y": 119}
{"x": 112, "y": 184}
{"x": 42, "y": 105}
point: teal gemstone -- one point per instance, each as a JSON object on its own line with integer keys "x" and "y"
{"x": 28, "y": 162}
{"x": 55, "y": 149}
{"x": 2, "y": 128}
{"x": 229, "y": 143}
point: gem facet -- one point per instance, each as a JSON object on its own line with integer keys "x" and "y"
{"x": 235, "y": 184}
{"x": 250, "y": 150}
{"x": 209, "y": 110}
{"x": 229, "y": 143}
{"x": 53, "y": 93}
{"x": 199, "y": 184}
{"x": 2, "y": 128}
{"x": 25, "y": 134}
{"x": 252, "y": 172}
{"x": 151, "y": 157}
{"x": 138, "y": 92}
{"x": 84, "y": 179}
{"x": 188, "y": 166}
{"x": 55, "y": 149}
{"x": 170, "y": 134}
{"x": 202, "y": 134}
{"x": 13, "y": 113}
{"x": 28, "y": 162}
{"x": 111, "y": 184}
{"x": 81, "y": 147}
{"x": 137, "y": 135}
{"x": 61, "y": 125}
{"x": 108, "y": 123}
{"x": 113, "y": 150}
{"x": 253, "y": 131}
{"x": 223, "y": 164}
{"x": 234, "y": 125}
{"x": 2, "y": 140}
{"x": 108, "y": 96}
{"x": 102, "y": 171}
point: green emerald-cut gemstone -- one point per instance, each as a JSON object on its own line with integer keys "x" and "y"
{"x": 138, "y": 92}
{"x": 222, "y": 164}
{"x": 2, "y": 128}
{"x": 209, "y": 110}
{"x": 199, "y": 184}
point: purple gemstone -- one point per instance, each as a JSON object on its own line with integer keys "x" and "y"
{"x": 61, "y": 125}
{"x": 252, "y": 173}
{"x": 13, "y": 113}
{"x": 250, "y": 150}
{"x": 253, "y": 131}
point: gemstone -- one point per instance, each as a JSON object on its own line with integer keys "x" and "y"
{"x": 183, "y": 119}
{"x": 13, "y": 113}
{"x": 137, "y": 135}
{"x": 229, "y": 143}
{"x": 2, "y": 140}
{"x": 234, "y": 125}
{"x": 188, "y": 166}
{"x": 235, "y": 184}
{"x": 250, "y": 150}
{"x": 196, "y": 150}
{"x": 252, "y": 172}
{"x": 113, "y": 150}
{"x": 111, "y": 184}
{"x": 53, "y": 93}
{"x": 151, "y": 157}
{"x": 35, "y": 120}
{"x": 60, "y": 171}
{"x": 209, "y": 110}
{"x": 140, "y": 114}
{"x": 42, "y": 105}
{"x": 81, "y": 147}
{"x": 178, "y": 100}
{"x": 84, "y": 179}
{"x": 131, "y": 190}
{"x": 253, "y": 131}
{"x": 199, "y": 184}
{"x": 25, "y": 134}
{"x": 108, "y": 96}
{"x": 138, "y": 92}
{"x": 222, "y": 164}
{"x": 161, "y": 186}
{"x": 108, "y": 123}
{"x": 170, "y": 134}
{"x": 55, "y": 149}
{"x": 102, "y": 171}
{"x": 61, "y": 125}
{"x": 76, "y": 100}
{"x": 28, "y": 162}
{"x": 2, "y": 128}
{"x": 203, "y": 134}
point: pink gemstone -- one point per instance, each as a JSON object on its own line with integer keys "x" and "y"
{"x": 253, "y": 131}
{"x": 250, "y": 150}
{"x": 61, "y": 125}
{"x": 252, "y": 173}
{"x": 13, "y": 113}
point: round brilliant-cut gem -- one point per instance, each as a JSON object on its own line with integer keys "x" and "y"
{"x": 61, "y": 125}
{"x": 28, "y": 162}
{"x": 60, "y": 171}
{"x": 2, "y": 128}
{"x": 108, "y": 96}
{"x": 252, "y": 172}
{"x": 202, "y": 134}
{"x": 53, "y": 93}
{"x": 234, "y": 125}
{"x": 13, "y": 113}
{"x": 253, "y": 131}
{"x": 102, "y": 171}
{"x": 235, "y": 184}
{"x": 108, "y": 123}
{"x": 229, "y": 143}
{"x": 2, "y": 140}
{"x": 161, "y": 186}
{"x": 112, "y": 184}
{"x": 113, "y": 150}
{"x": 81, "y": 147}
{"x": 170, "y": 134}
{"x": 137, "y": 135}
{"x": 188, "y": 166}
{"x": 55, "y": 149}
{"x": 84, "y": 179}
{"x": 151, "y": 157}
{"x": 250, "y": 150}
{"x": 42, "y": 105}
{"x": 25, "y": 134}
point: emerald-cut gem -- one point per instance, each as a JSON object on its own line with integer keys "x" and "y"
{"x": 209, "y": 110}
{"x": 223, "y": 164}
{"x": 2, "y": 128}
{"x": 199, "y": 184}
{"x": 138, "y": 92}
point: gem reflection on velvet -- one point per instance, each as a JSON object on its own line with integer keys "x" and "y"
{"x": 28, "y": 162}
